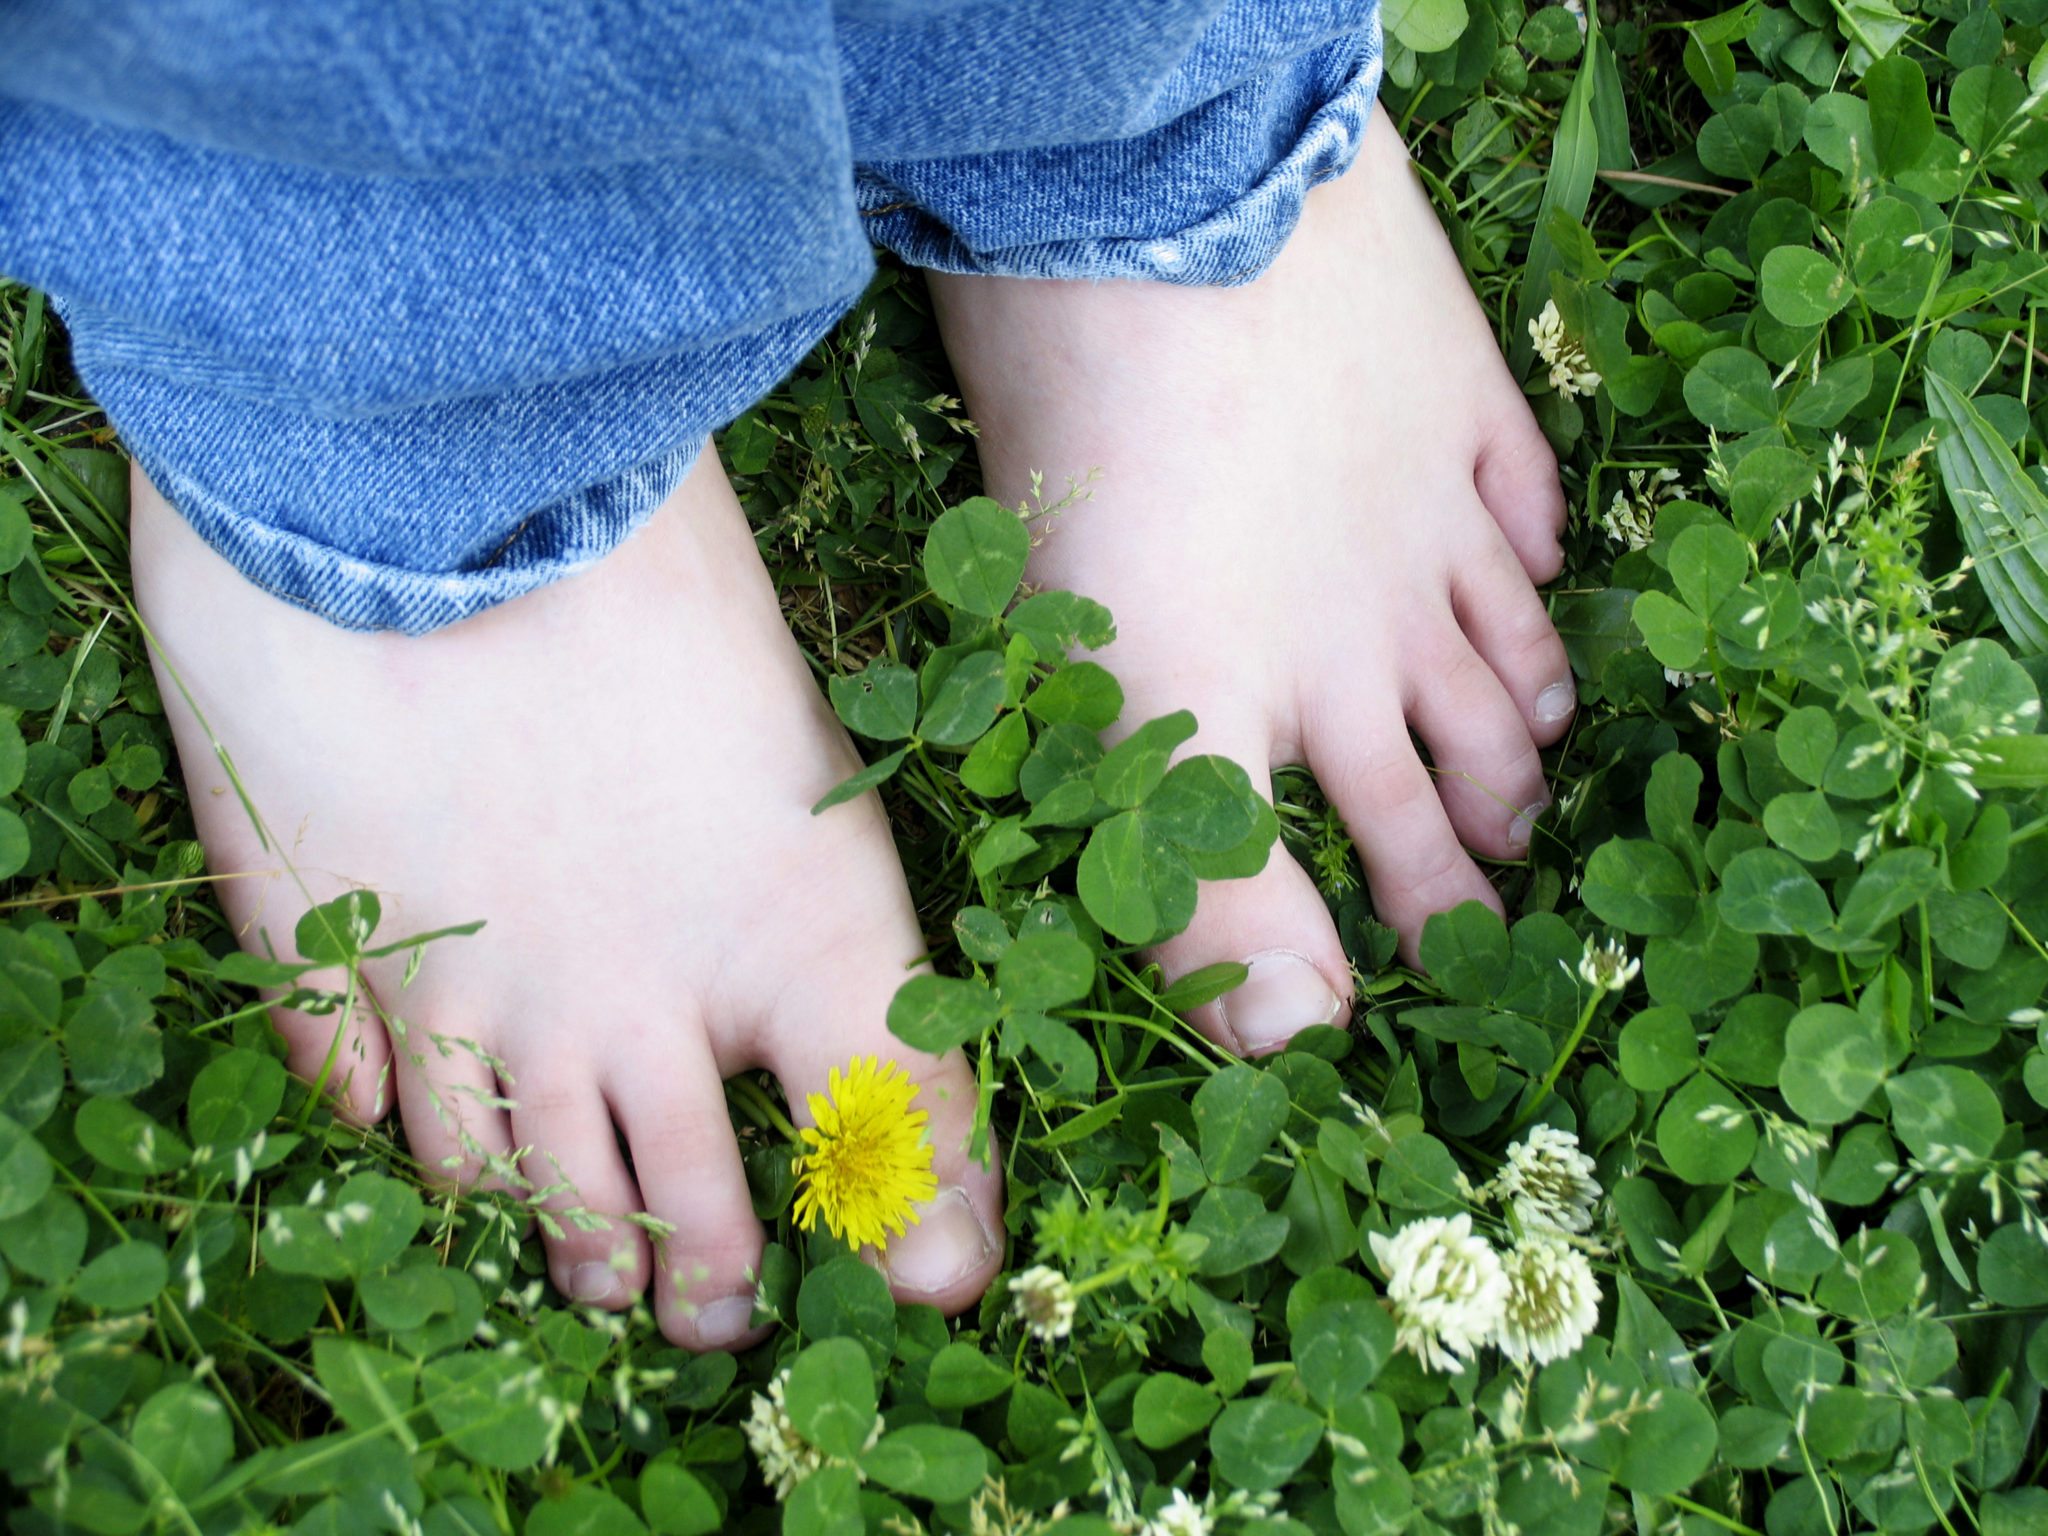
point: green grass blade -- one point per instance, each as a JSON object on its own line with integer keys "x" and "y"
{"x": 1574, "y": 160}
{"x": 2001, "y": 512}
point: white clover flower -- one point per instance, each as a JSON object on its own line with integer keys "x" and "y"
{"x": 1607, "y": 967}
{"x": 989, "y": 1513}
{"x": 1045, "y": 1302}
{"x": 785, "y": 1456}
{"x": 1570, "y": 372}
{"x": 1681, "y": 679}
{"x": 1548, "y": 1181}
{"x": 1553, "y": 1300}
{"x": 1627, "y": 522}
{"x": 1446, "y": 1286}
{"x": 1180, "y": 1516}
{"x": 1631, "y": 517}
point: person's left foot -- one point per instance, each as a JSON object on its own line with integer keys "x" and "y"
{"x": 1323, "y": 507}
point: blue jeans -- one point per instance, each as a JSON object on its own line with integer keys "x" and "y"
{"x": 411, "y": 308}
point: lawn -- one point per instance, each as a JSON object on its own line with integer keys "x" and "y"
{"x": 1703, "y": 1196}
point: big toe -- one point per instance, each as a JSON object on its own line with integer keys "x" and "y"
{"x": 1275, "y": 925}
{"x": 951, "y": 1240}
{"x": 1272, "y": 923}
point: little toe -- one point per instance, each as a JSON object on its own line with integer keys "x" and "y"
{"x": 1488, "y": 774}
{"x": 1504, "y": 618}
{"x": 948, "y": 1255}
{"x": 1275, "y": 924}
{"x": 454, "y": 1116}
{"x": 346, "y": 1054}
{"x": 571, "y": 1158}
{"x": 1413, "y": 859}
{"x": 1516, "y": 477}
{"x": 689, "y": 1172}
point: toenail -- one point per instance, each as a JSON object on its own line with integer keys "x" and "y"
{"x": 1525, "y": 823}
{"x": 1555, "y": 702}
{"x": 948, "y": 1244}
{"x": 1283, "y": 993}
{"x": 720, "y": 1322}
{"x": 593, "y": 1282}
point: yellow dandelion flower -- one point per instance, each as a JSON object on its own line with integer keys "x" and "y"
{"x": 867, "y": 1161}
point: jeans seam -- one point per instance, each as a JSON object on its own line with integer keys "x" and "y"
{"x": 491, "y": 560}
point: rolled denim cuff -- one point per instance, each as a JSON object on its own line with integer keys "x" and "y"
{"x": 416, "y": 518}
{"x": 556, "y": 540}
{"x": 1206, "y": 199}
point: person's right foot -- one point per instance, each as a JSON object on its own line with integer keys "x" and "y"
{"x": 616, "y": 773}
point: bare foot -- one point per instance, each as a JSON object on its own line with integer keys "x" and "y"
{"x": 616, "y": 772}
{"x": 1322, "y": 508}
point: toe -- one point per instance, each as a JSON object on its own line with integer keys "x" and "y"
{"x": 570, "y": 1156}
{"x": 1276, "y": 926}
{"x": 1504, "y": 618}
{"x": 1517, "y": 479}
{"x": 1487, "y": 772}
{"x": 948, "y": 1257}
{"x": 1273, "y": 923}
{"x": 448, "y": 1098}
{"x": 1413, "y": 860}
{"x": 345, "y": 1052}
{"x": 690, "y": 1175}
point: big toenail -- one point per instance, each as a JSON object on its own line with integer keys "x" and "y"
{"x": 1283, "y": 993}
{"x": 720, "y": 1322}
{"x": 1525, "y": 823}
{"x": 1555, "y": 702}
{"x": 948, "y": 1244}
{"x": 593, "y": 1282}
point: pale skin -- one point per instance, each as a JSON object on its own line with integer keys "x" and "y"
{"x": 1321, "y": 508}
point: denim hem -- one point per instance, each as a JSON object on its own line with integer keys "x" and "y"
{"x": 412, "y": 523}
{"x": 1226, "y": 248}
{"x": 359, "y": 594}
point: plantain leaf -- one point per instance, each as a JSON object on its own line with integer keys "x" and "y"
{"x": 2002, "y": 513}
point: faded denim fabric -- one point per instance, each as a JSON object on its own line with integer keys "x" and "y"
{"x": 412, "y": 308}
